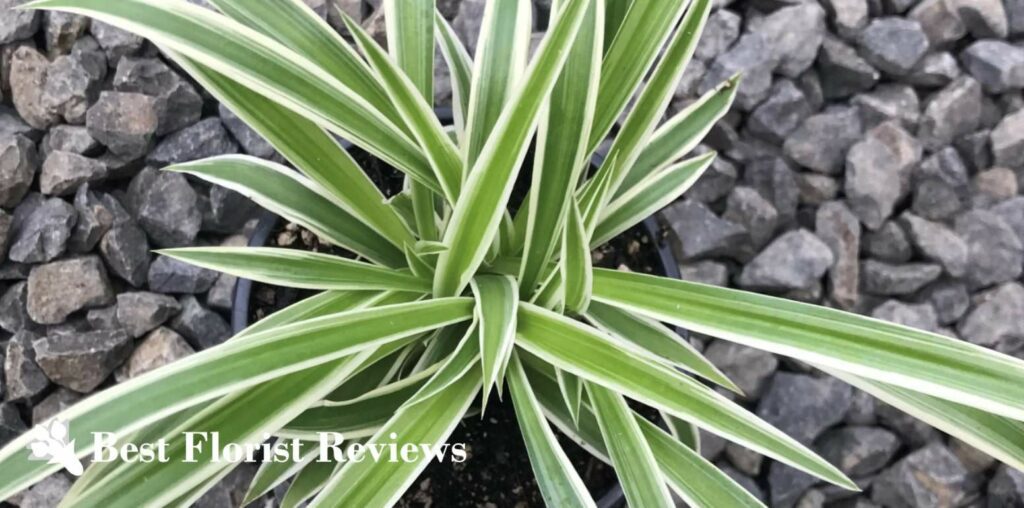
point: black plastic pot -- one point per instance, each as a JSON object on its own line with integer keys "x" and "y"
{"x": 664, "y": 264}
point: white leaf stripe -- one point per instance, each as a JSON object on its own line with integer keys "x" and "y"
{"x": 310, "y": 149}
{"x": 631, "y": 456}
{"x": 497, "y": 299}
{"x": 299, "y": 269}
{"x": 226, "y": 368}
{"x": 259, "y": 63}
{"x": 576, "y": 348}
{"x": 291, "y": 196}
{"x": 867, "y": 347}
{"x": 559, "y": 483}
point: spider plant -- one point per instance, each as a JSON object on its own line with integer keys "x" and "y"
{"x": 451, "y": 293}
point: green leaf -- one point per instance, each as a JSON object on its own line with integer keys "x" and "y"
{"x": 415, "y": 111}
{"x": 381, "y": 483}
{"x": 650, "y": 106}
{"x": 681, "y": 133}
{"x": 999, "y": 437}
{"x": 561, "y": 154}
{"x": 921, "y": 361}
{"x": 572, "y": 391}
{"x": 478, "y": 214}
{"x": 295, "y": 25}
{"x": 227, "y": 368}
{"x": 310, "y": 149}
{"x": 419, "y": 266}
{"x": 657, "y": 341}
{"x": 587, "y": 353}
{"x": 558, "y": 481}
{"x": 268, "y": 406}
{"x": 410, "y": 28}
{"x": 576, "y": 264}
{"x": 500, "y": 62}
{"x": 259, "y": 63}
{"x": 298, "y": 269}
{"x": 615, "y": 13}
{"x": 461, "y": 361}
{"x": 631, "y": 456}
{"x": 271, "y": 474}
{"x": 683, "y": 431}
{"x": 648, "y": 197}
{"x": 291, "y": 196}
{"x": 461, "y": 68}
{"x": 641, "y": 35}
{"x": 697, "y": 481}
{"x": 310, "y": 481}
{"x": 497, "y": 298}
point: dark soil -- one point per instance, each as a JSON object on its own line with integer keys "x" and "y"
{"x": 497, "y": 472}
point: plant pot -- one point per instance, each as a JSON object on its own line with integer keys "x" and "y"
{"x": 658, "y": 257}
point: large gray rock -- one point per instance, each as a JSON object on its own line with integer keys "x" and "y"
{"x": 202, "y": 327}
{"x": 6, "y": 222}
{"x": 61, "y": 30}
{"x": 166, "y": 207}
{"x": 821, "y": 142}
{"x": 941, "y": 185}
{"x": 884, "y": 279}
{"x": 17, "y": 24}
{"x": 82, "y": 361}
{"x": 18, "y": 162}
{"x": 224, "y": 210}
{"x": 905, "y": 149}
{"x": 921, "y": 315}
{"x": 952, "y": 112}
{"x": 949, "y": 299}
{"x": 755, "y": 56}
{"x": 804, "y": 406}
{"x": 63, "y": 172}
{"x": 795, "y": 260}
{"x": 775, "y": 181}
{"x": 940, "y": 21}
{"x": 13, "y": 314}
{"x": 720, "y": 32}
{"x": 73, "y": 81}
{"x": 716, "y": 182}
{"x": 41, "y": 230}
{"x": 126, "y": 252}
{"x": 199, "y": 141}
{"x": 993, "y": 186}
{"x": 179, "y": 103}
{"x": 1006, "y": 488}
{"x": 889, "y": 243}
{"x": 848, "y": 17}
{"x": 138, "y": 312}
{"x": 161, "y": 347}
{"x": 893, "y": 45}
{"x": 795, "y": 33}
{"x": 983, "y": 18}
{"x": 1015, "y": 13}
{"x": 700, "y": 233}
{"x": 858, "y": 451}
{"x": 843, "y": 72}
{"x": 1008, "y": 140}
{"x": 995, "y": 254}
{"x": 251, "y": 142}
{"x": 780, "y": 114}
{"x": 999, "y": 66}
{"x": 28, "y": 81}
{"x": 787, "y": 484}
{"x": 59, "y": 288}
{"x": 935, "y": 70}
{"x": 25, "y": 380}
{"x": 11, "y": 425}
{"x": 745, "y": 206}
{"x": 872, "y": 181}
{"x": 56, "y": 402}
{"x": 749, "y": 368}
{"x": 70, "y": 138}
{"x": 995, "y": 320}
{"x": 115, "y": 42}
{"x": 931, "y": 476}
{"x": 889, "y": 102}
{"x": 938, "y": 243}
{"x": 1012, "y": 213}
{"x": 838, "y": 228}
{"x": 168, "y": 275}
{"x": 124, "y": 122}
{"x": 96, "y": 215}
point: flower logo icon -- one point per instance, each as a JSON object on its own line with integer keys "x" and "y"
{"x": 50, "y": 443}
